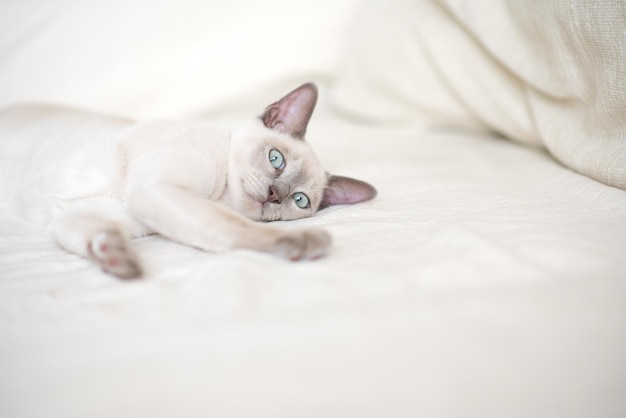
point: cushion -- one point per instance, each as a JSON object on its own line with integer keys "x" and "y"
{"x": 550, "y": 74}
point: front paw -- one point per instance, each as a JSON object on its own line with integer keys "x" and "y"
{"x": 112, "y": 252}
{"x": 304, "y": 244}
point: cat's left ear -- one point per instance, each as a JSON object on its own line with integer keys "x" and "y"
{"x": 291, "y": 114}
{"x": 346, "y": 191}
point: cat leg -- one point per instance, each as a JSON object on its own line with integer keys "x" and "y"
{"x": 111, "y": 250}
{"x": 295, "y": 245}
{"x": 190, "y": 219}
{"x": 104, "y": 241}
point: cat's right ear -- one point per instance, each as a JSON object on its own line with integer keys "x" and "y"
{"x": 291, "y": 114}
{"x": 342, "y": 190}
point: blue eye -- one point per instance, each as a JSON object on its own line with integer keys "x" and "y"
{"x": 276, "y": 159}
{"x": 302, "y": 200}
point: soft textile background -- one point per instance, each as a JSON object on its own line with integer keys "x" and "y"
{"x": 542, "y": 72}
{"x": 149, "y": 58}
{"x": 486, "y": 279}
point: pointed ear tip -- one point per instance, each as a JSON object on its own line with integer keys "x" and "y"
{"x": 312, "y": 87}
{"x": 367, "y": 188}
{"x": 371, "y": 192}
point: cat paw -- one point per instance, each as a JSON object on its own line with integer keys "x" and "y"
{"x": 309, "y": 244}
{"x": 110, "y": 250}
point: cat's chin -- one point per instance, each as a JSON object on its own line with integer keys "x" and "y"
{"x": 262, "y": 212}
{"x": 269, "y": 217}
{"x": 267, "y": 214}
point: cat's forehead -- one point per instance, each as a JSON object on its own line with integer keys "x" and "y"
{"x": 302, "y": 167}
{"x": 297, "y": 150}
{"x": 306, "y": 172}
{"x": 253, "y": 135}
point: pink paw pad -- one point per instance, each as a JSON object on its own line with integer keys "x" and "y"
{"x": 110, "y": 250}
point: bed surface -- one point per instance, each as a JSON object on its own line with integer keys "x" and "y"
{"x": 485, "y": 280}
{"x": 490, "y": 279}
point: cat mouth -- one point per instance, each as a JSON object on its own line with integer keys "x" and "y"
{"x": 267, "y": 211}
{"x": 260, "y": 200}
{"x": 258, "y": 209}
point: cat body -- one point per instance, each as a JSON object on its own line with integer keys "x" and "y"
{"x": 99, "y": 181}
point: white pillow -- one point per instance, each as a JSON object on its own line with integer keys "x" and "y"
{"x": 549, "y": 73}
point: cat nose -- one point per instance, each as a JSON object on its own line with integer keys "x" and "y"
{"x": 273, "y": 196}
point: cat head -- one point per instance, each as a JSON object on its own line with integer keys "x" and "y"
{"x": 273, "y": 172}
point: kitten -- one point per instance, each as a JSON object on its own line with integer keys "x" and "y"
{"x": 108, "y": 180}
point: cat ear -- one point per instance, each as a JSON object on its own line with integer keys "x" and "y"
{"x": 291, "y": 114}
{"x": 346, "y": 191}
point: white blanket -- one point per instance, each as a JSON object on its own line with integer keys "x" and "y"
{"x": 549, "y": 73}
{"x": 485, "y": 280}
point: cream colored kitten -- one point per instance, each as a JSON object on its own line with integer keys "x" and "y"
{"x": 101, "y": 181}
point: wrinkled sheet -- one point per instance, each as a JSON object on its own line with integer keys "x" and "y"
{"x": 483, "y": 281}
